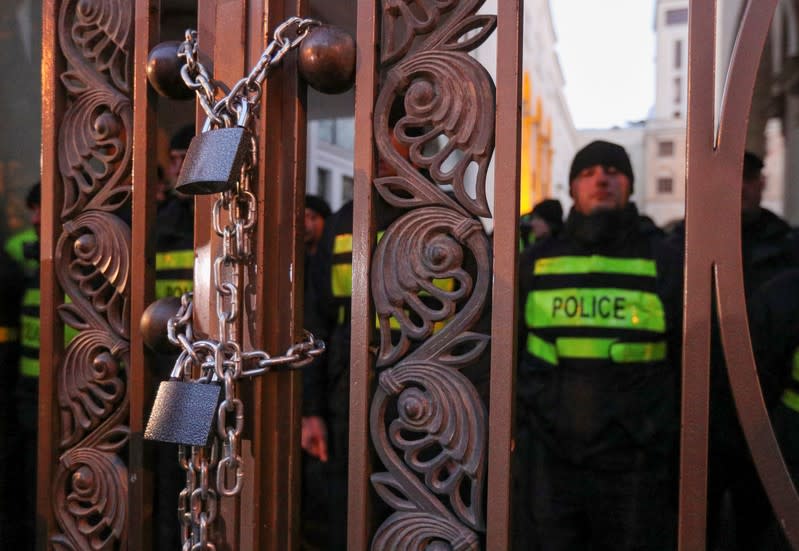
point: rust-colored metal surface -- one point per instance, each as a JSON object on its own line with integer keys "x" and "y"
{"x": 714, "y": 264}
{"x": 84, "y": 398}
{"x": 140, "y": 490}
{"x": 278, "y": 292}
{"x": 363, "y": 240}
{"x": 427, "y": 422}
{"x": 504, "y": 298}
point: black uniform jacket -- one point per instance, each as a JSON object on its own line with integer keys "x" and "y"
{"x": 601, "y": 410}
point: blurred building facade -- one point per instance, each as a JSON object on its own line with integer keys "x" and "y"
{"x": 549, "y": 138}
{"x": 773, "y": 131}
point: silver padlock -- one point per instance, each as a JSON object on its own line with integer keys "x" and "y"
{"x": 215, "y": 157}
{"x": 183, "y": 412}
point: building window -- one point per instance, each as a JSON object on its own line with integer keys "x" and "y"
{"x": 322, "y": 182}
{"x": 665, "y": 186}
{"x": 665, "y": 149}
{"x": 346, "y": 188}
{"x": 678, "y": 54}
{"x": 339, "y": 132}
{"x": 677, "y": 90}
{"x": 677, "y": 17}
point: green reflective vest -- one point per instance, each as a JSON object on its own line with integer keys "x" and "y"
{"x": 790, "y": 397}
{"x": 174, "y": 273}
{"x": 589, "y": 309}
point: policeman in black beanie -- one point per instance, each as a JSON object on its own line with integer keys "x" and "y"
{"x": 599, "y": 350}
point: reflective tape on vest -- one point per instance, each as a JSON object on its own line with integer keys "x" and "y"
{"x": 790, "y": 397}
{"x": 173, "y": 260}
{"x": 596, "y": 349}
{"x": 596, "y": 264}
{"x": 172, "y": 287}
{"x": 598, "y": 308}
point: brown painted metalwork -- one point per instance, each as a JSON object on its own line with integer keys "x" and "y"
{"x": 84, "y": 394}
{"x": 714, "y": 264}
{"x": 504, "y": 301}
{"x": 142, "y": 289}
{"x": 278, "y": 307}
{"x": 434, "y": 445}
{"x": 363, "y": 240}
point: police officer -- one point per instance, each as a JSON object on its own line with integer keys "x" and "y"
{"x": 314, "y": 430}
{"x": 735, "y": 494}
{"x": 174, "y": 276}
{"x": 599, "y": 344}
{"x": 774, "y": 323}
{"x": 23, "y": 470}
{"x": 545, "y": 220}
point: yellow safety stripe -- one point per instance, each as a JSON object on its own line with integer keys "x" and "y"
{"x": 596, "y": 349}
{"x": 30, "y": 331}
{"x": 542, "y": 349}
{"x": 595, "y": 264}
{"x": 791, "y": 399}
{"x": 32, "y": 297}
{"x": 29, "y": 367}
{"x": 342, "y": 244}
{"x": 599, "y": 308}
{"x": 341, "y": 280}
{"x": 171, "y": 260}
{"x": 172, "y": 287}
{"x": 8, "y": 334}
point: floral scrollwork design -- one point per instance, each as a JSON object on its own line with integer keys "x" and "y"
{"x": 91, "y": 385}
{"x": 426, "y": 249}
{"x": 95, "y": 37}
{"x": 448, "y": 102}
{"x": 94, "y": 270}
{"x": 92, "y": 485}
{"x": 421, "y": 531}
{"x": 438, "y": 427}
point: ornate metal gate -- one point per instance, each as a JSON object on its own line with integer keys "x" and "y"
{"x": 94, "y": 478}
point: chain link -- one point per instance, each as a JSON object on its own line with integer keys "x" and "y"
{"x": 226, "y": 110}
{"x": 222, "y": 361}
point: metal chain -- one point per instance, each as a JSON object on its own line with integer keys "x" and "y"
{"x": 209, "y": 475}
{"x": 225, "y": 111}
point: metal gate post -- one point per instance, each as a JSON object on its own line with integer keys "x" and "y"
{"x": 423, "y": 61}
{"x": 714, "y": 265}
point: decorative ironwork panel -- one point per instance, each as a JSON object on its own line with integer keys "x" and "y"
{"x": 92, "y": 257}
{"x": 430, "y": 274}
{"x": 713, "y": 262}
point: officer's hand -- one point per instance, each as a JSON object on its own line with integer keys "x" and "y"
{"x": 313, "y": 437}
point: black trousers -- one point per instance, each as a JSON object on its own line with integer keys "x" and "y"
{"x": 582, "y": 507}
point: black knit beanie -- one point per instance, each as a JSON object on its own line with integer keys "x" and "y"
{"x": 602, "y": 153}
{"x": 318, "y": 205}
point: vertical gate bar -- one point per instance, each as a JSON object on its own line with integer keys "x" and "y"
{"x": 51, "y": 348}
{"x": 281, "y": 192}
{"x": 696, "y": 324}
{"x": 363, "y": 231}
{"x": 229, "y": 52}
{"x": 146, "y": 28}
{"x": 206, "y": 243}
{"x": 504, "y": 292}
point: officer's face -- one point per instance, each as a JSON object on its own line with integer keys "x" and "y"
{"x": 752, "y": 193}
{"x": 314, "y": 226}
{"x": 600, "y": 188}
